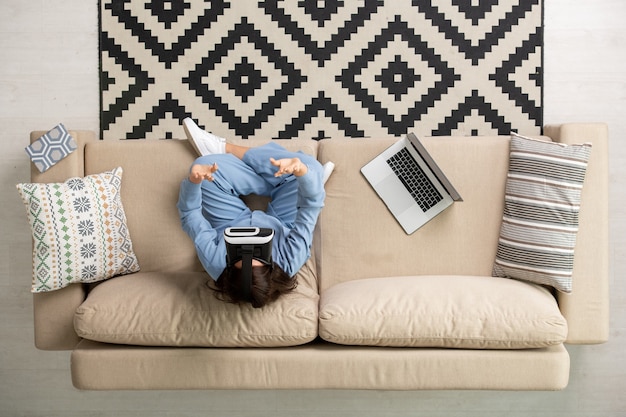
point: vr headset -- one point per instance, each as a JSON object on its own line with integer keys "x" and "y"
{"x": 245, "y": 244}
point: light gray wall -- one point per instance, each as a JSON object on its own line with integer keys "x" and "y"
{"x": 49, "y": 74}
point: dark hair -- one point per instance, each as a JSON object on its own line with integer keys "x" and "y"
{"x": 268, "y": 283}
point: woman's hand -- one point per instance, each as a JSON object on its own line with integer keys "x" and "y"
{"x": 202, "y": 172}
{"x": 288, "y": 166}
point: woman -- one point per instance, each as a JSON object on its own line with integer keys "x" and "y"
{"x": 210, "y": 202}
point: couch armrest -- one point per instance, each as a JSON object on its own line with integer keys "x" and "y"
{"x": 54, "y": 318}
{"x": 54, "y": 311}
{"x": 587, "y": 307}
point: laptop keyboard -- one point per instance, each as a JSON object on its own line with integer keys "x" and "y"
{"x": 414, "y": 179}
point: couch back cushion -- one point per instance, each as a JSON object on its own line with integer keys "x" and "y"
{"x": 153, "y": 171}
{"x": 359, "y": 238}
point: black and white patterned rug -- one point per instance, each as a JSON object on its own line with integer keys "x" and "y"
{"x": 320, "y": 68}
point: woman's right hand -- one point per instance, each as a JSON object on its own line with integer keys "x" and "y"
{"x": 202, "y": 172}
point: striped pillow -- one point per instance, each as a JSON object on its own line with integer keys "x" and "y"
{"x": 540, "y": 220}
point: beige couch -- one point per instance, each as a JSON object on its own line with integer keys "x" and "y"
{"x": 374, "y": 308}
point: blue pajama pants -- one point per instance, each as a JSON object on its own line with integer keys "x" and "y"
{"x": 221, "y": 202}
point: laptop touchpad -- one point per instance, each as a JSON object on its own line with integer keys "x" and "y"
{"x": 395, "y": 194}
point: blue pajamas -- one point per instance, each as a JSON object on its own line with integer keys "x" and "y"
{"x": 208, "y": 208}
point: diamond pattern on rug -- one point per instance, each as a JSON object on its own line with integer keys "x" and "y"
{"x": 319, "y": 69}
{"x": 394, "y": 63}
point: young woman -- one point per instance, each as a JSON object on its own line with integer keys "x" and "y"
{"x": 209, "y": 202}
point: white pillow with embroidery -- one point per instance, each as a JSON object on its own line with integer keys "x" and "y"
{"x": 79, "y": 231}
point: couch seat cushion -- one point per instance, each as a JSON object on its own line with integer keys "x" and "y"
{"x": 179, "y": 309}
{"x": 467, "y": 312}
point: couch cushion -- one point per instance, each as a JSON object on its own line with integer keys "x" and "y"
{"x": 179, "y": 309}
{"x": 153, "y": 171}
{"x": 540, "y": 221}
{"x": 441, "y": 311}
{"x": 79, "y": 231}
{"x": 466, "y": 232}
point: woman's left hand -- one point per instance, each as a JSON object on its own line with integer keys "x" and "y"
{"x": 288, "y": 166}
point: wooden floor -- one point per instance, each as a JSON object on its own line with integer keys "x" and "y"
{"x": 49, "y": 74}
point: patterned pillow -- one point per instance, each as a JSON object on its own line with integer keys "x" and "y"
{"x": 79, "y": 231}
{"x": 49, "y": 149}
{"x": 540, "y": 220}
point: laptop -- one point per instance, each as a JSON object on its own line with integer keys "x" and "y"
{"x": 410, "y": 183}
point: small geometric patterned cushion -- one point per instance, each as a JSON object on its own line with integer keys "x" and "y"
{"x": 49, "y": 149}
{"x": 79, "y": 231}
{"x": 540, "y": 221}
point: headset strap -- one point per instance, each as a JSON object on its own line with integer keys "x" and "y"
{"x": 246, "y": 271}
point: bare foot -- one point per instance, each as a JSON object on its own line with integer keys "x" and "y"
{"x": 202, "y": 172}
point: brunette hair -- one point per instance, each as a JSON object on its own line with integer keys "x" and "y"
{"x": 268, "y": 283}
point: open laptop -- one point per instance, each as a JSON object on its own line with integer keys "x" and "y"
{"x": 410, "y": 183}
